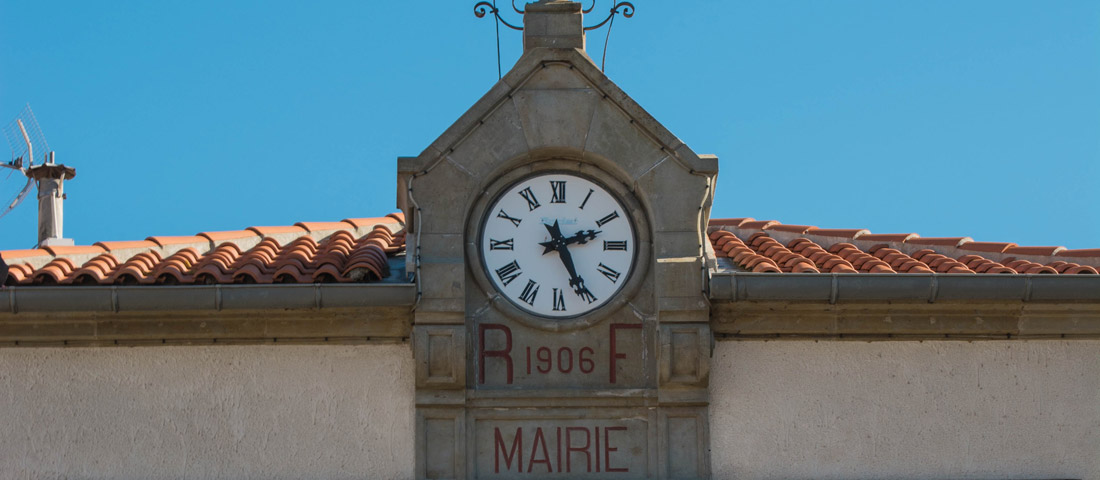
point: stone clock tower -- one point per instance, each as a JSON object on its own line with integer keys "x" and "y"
{"x": 557, "y": 233}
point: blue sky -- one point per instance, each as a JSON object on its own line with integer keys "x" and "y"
{"x": 944, "y": 118}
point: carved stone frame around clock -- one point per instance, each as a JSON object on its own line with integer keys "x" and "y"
{"x": 572, "y": 165}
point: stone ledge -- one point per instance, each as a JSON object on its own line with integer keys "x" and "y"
{"x": 890, "y": 287}
{"x": 83, "y": 329}
{"x": 962, "y": 320}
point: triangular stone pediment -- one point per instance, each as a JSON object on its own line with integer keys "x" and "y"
{"x": 556, "y": 100}
{"x": 554, "y": 103}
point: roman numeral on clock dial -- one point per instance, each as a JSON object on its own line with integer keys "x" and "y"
{"x": 529, "y": 292}
{"x": 608, "y": 272}
{"x": 532, "y": 201}
{"x": 508, "y": 272}
{"x": 586, "y": 197}
{"x": 509, "y": 244}
{"x": 504, "y": 215}
{"x": 609, "y": 217}
{"x": 559, "y": 300}
{"x": 613, "y": 245}
{"x": 587, "y": 296}
{"x": 557, "y": 188}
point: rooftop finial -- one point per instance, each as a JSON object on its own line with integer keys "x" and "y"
{"x": 553, "y": 23}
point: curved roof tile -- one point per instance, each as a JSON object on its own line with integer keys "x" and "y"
{"x": 750, "y": 245}
{"x": 283, "y": 254}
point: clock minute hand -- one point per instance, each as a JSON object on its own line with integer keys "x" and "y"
{"x": 575, "y": 280}
{"x": 560, "y": 244}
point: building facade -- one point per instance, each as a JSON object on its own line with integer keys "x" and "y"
{"x": 554, "y": 300}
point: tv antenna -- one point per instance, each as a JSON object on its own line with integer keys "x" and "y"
{"x": 25, "y": 138}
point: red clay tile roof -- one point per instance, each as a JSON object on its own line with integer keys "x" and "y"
{"x": 768, "y": 246}
{"x": 353, "y": 250}
{"x": 359, "y": 250}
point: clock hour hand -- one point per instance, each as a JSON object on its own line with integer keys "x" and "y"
{"x": 557, "y": 240}
{"x": 582, "y": 237}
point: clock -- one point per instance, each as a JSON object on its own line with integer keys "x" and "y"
{"x": 557, "y": 245}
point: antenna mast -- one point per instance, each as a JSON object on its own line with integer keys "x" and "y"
{"x": 47, "y": 175}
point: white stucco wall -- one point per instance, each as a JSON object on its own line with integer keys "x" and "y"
{"x": 207, "y": 412}
{"x": 838, "y": 409}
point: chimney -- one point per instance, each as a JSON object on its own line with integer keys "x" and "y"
{"x": 50, "y": 178}
{"x": 553, "y": 24}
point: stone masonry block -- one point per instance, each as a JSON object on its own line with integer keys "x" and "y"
{"x": 614, "y": 136}
{"x": 680, "y": 277}
{"x": 441, "y": 248}
{"x": 440, "y": 444}
{"x": 467, "y": 122}
{"x": 683, "y": 435}
{"x": 556, "y": 76}
{"x": 552, "y": 29}
{"x": 440, "y": 356}
{"x": 442, "y": 280}
{"x": 440, "y": 306}
{"x": 675, "y": 196}
{"x": 684, "y": 355}
{"x": 556, "y": 118}
{"x": 683, "y": 310}
{"x": 533, "y": 60}
{"x": 424, "y": 316}
{"x": 497, "y": 140}
{"x": 677, "y": 244}
{"x": 442, "y": 196}
{"x": 699, "y": 163}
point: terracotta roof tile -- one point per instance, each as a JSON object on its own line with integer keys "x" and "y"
{"x": 218, "y": 237}
{"x": 1087, "y": 252}
{"x": 112, "y": 246}
{"x": 889, "y": 237}
{"x": 749, "y": 244}
{"x": 839, "y": 232}
{"x": 18, "y": 273}
{"x": 940, "y": 241}
{"x": 268, "y": 231}
{"x": 167, "y": 241}
{"x": 318, "y": 226}
{"x": 994, "y": 247}
{"x": 94, "y": 271}
{"x": 1043, "y": 251}
{"x": 285, "y": 254}
{"x": 16, "y": 254}
{"x": 790, "y": 228}
{"x": 758, "y": 224}
{"x": 1080, "y": 270}
{"x": 731, "y": 222}
{"x": 59, "y": 251}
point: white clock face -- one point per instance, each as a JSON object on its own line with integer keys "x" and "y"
{"x": 557, "y": 245}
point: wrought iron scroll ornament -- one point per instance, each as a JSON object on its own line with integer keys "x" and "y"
{"x": 484, "y": 8}
{"x": 628, "y": 11}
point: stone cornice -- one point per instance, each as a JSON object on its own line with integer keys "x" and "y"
{"x": 150, "y": 315}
